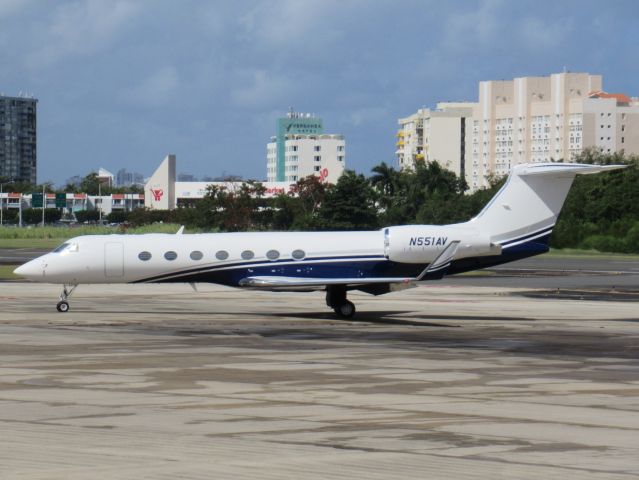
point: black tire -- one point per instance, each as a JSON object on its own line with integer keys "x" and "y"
{"x": 345, "y": 310}
{"x": 62, "y": 306}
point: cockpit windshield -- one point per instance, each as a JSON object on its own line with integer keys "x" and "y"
{"x": 59, "y": 248}
{"x": 66, "y": 247}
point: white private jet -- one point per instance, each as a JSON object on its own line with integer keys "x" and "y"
{"x": 515, "y": 224}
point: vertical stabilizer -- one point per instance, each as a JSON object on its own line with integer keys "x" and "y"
{"x": 527, "y": 206}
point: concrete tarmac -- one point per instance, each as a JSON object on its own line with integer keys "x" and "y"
{"x": 440, "y": 381}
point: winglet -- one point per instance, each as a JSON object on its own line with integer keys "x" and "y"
{"x": 180, "y": 231}
{"x": 442, "y": 262}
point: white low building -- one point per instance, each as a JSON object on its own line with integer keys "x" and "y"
{"x": 163, "y": 192}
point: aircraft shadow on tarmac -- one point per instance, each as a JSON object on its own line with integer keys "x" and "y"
{"x": 386, "y": 317}
{"x": 502, "y": 337}
{"x": 389, "y": 317}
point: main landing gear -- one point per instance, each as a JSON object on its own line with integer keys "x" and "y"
{"x": 63, "y": 305}
{"x": 336, "y": 299}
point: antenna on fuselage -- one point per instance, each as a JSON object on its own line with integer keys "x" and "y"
{"x": 180, "y": 231}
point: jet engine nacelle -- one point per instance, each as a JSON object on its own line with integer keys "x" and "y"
{"x": 424, "y": 243}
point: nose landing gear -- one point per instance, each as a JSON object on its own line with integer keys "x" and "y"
{"x": 63, "y": 305}
{"x": 336, "y": 299}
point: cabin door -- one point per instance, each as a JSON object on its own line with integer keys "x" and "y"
{"x": 113, "y": 259}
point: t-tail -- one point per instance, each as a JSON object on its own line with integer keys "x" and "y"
{"x": 526, "y": 208}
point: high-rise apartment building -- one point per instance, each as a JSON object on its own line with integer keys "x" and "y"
{"x": 18, "y": 154}
{"x": 543, "y": 119}
{"x": 301, "y": 148}
{"x": 124, "y": 178}
{"x": 435, "y": 135}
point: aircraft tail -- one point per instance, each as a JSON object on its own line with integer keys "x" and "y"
{"x": 527, "y": 206}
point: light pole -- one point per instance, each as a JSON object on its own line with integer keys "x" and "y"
{"x": 44, "y": 203}
{"x": 100, "y": 199}
{"x": 2, "y": 202}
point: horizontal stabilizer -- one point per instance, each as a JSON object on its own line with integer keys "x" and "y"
{"x": 442, "y": 262}
{"x": 570, "y": 168}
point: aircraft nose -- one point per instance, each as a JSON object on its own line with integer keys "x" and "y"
{"x": 32, "y": 269}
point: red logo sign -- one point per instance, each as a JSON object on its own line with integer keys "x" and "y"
{"x": 157, "y": 194}
{"x": 323, "y": 174}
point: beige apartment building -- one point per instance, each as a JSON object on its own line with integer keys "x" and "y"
{"x": 435, "y": 135}
{"x": 541, "y": 119}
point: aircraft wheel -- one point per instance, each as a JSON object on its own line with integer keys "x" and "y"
{"x": 345, "y": 309}
{"x": 62, "y": 306}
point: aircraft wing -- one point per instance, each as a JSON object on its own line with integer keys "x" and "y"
{"x": 435, "y": 270}
{"x": 297, "y": 283}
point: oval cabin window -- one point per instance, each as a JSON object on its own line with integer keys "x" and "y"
{"x": 247, "y": 254}
{"x": 272, "y": 254}
{"x": 196, "y": 255}
{"x": 222, "y": 255}
{"x": 170, "y": 255}
{"x": 144, "y": 256}
{"x": 298, "y": 254}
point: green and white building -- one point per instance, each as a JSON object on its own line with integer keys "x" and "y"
{"x": 301, "y": 148}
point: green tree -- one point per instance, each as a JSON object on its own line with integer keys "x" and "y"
{"x": 33, "y": 216}
{"x": 239, "y": 210}
{"x": 384, "y": 179}
{"x": 349, "y": 205}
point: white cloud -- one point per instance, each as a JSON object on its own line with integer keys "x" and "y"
{"x": 11, "y": 7}
{"x": 80, "y": 28}
{"x": 476, "y": 26}
{"x": 367, "y": 115}
{"x": 308, "y": 25}
{"x": 539, "y": 34}
{"x": 155, "y": 90}
{"x": 261, "y": 88}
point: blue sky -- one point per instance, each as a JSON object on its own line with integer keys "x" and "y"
{"x": 121, "y": 83}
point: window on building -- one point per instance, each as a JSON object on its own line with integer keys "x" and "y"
{"x": 318, "y": 148}
{"x": 318, "y": 158}
{"x": 340, "y": 158}
{"x": 317, "y": 168}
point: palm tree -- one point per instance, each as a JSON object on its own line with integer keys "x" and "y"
{"x": 384, "y": 179}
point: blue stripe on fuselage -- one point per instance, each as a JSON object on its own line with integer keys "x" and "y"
{"x": 354, "y": 268}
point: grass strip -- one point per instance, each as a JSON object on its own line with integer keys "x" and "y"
{"x": 6, "y": 272}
